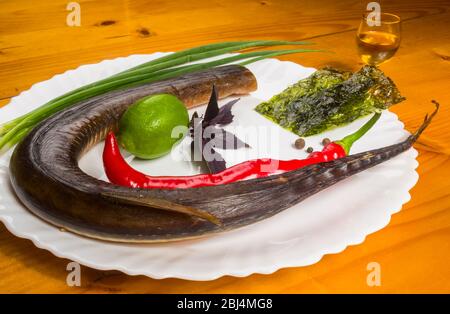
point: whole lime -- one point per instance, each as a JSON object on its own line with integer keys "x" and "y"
{"x": 149, "y": 128}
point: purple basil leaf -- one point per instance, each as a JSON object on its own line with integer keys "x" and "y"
{"x": 191, "y": 123}
{"x": 194, "y": 123}
{"x": 218, "y": 137}
{"x": 216, "y": 165}
{"x": 226, "y": 140}
{"x": 199, "y": 152}
{"x": 224, "y": 116}
{"x": 212, "y": 158}
{"x": 213, "y": 108}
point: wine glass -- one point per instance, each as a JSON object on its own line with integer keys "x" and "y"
{"x": 379, "y": 40}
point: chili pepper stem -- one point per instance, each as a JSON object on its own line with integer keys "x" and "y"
{"x": 348, "y": 141}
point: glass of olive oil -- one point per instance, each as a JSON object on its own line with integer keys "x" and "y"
{"x": 378, "y": 40}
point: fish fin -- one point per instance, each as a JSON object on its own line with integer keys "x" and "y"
{"x": 165, "y": 205}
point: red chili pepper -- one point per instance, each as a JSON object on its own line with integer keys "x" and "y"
{"x": 120, "y": 173}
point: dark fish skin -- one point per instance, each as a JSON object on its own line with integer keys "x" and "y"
{"x": 46, "y": 177}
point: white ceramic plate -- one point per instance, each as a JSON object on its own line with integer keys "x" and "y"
{"x": 325, "y": 223}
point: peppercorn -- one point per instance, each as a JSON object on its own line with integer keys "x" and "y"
{"x": 299, "y": 143}
{"x": 326, "y": 141}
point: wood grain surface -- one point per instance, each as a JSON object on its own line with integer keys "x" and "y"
{"x": 413, "y": 250}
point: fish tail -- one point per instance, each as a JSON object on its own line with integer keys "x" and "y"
{"x": 427, "y": 120}
{"x": 341, "y": 168}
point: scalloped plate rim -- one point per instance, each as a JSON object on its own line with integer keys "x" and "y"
{"x": 8, "y": 221}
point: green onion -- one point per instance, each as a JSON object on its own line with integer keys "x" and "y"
{"x": 199, "y": 53}
{"x": 20, "y": 134}
{"x": 159, "y": 69}
{"x": 162, "y": 75}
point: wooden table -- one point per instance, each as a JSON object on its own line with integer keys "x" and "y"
{"x": 413, "y": 250}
